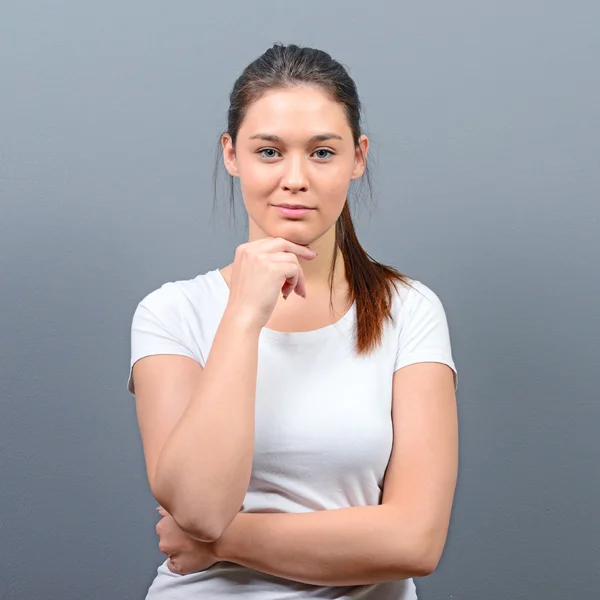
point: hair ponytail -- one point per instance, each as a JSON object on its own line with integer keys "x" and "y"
{"x": 371, "y": 284}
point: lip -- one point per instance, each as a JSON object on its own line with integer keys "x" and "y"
{"x": 291, "y": 210}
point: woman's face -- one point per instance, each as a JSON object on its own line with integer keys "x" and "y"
{"x": 294, "y": 147}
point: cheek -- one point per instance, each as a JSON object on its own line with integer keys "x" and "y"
{"x": 334, "y": 186}
{"x": 337, "y": 175}
{"x": 257, "y": 181}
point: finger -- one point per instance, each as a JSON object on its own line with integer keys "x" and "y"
{"x": 294, "y": 278}
{"x": 296, "y": 285}
{"x": 300, "y": 286}
{"x": 286, "y": 290}
{"x": 283, "y": 245}
{"x": 171, "y": 566}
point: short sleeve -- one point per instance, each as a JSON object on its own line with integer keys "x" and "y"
{"x": 154, "y": 331}
{"x": 424, "y": 334}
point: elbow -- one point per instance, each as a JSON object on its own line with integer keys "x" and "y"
{"x": 419, "y": 558}
{"x": 203, "y": 529}
{"x": 426, "y": 559}
{"x": 202, "y": 520}
{"x": 423, "y": 566}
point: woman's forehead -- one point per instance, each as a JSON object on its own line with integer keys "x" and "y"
{"x": 296, "y": 112}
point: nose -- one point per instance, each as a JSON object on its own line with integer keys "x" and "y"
{"x": 294, "y": 178}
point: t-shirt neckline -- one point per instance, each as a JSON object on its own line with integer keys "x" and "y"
{"x": 296, "y": 337}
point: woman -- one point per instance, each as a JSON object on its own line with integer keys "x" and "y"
{"x": 305, "y": 383}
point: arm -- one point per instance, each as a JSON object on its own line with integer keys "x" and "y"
{"x": 349, "y": 546}
{"x": 197, "y": 428}
{"x": 401, "y": 538}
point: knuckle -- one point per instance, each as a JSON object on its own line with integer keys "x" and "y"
{"x": 175, "y": 567}
{"x": 163, "y": 547}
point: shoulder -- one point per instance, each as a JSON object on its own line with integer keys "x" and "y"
{"x": 414, "y": 297}
{"x": 179, "y": 317}
{"x": 422, "y": 328}
{"x": 186, "y": 308}
{"x": 418, "y": 311}
{"x": 178, "y": 297}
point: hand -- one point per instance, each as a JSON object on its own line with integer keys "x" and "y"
{"x": 185, "y": 554}
{"x": 261, "y": 271}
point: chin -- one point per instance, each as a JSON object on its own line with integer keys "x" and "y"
{"x": 294, "y": 232}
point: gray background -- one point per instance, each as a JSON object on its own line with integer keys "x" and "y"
{"x": 485, "y": 126}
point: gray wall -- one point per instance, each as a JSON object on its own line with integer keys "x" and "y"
{"x": 485, "y": 121}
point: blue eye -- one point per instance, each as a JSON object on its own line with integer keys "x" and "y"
{"x": 267, "y": 150}
{"x": 329, "y": 152}
{"x": 274, "y": 153}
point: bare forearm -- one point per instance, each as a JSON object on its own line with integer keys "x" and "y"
{"x": 204, "y": 469}
{"x": 350, "y": 546}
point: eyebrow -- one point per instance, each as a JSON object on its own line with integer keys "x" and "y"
{"x": 322, "y": 137}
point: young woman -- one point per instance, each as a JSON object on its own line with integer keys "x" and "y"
{"x": 297, "y": 407}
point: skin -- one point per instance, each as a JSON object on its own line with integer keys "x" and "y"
{"x": 405, "y": 535}
{"x": 297, "y": 170}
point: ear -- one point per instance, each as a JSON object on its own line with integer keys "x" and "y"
{"x": 360, "y": 157}
{"x": 229, "y": 155}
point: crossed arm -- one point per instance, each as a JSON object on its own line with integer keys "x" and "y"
{"x": 349, "y": 546}
{"x": 401, "y": 538}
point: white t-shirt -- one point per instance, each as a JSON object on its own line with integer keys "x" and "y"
{"x": 323, "y": 433}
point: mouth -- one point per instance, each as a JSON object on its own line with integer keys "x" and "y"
{"x": 293, "y": 210}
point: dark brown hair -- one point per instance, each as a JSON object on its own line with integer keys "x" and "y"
{"x": 371, "y": 284}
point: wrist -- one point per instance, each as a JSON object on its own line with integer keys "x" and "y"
{"x": 241, "y": 320}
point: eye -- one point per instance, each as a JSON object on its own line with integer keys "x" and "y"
{"x": 322, "y": 153}
{"x": 271, "y": 150}
{"x": 328, "y": 153}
